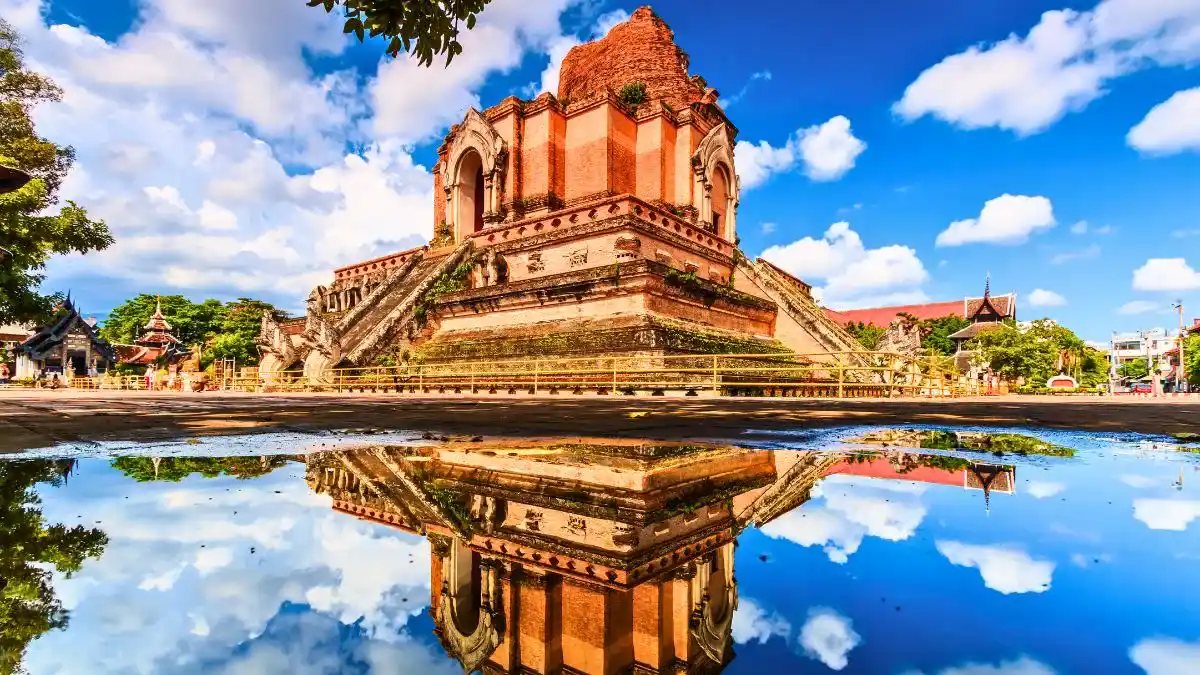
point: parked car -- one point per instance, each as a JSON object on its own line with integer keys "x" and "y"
{"x": 1141, "y": 388}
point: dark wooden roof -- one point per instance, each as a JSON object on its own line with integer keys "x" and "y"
{"x": 67, "y": 320}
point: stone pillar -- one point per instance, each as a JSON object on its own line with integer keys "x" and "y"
{"x": 452, "y": 210}
{"x": 489, "y": 192}
{"x": 539, "y": 605}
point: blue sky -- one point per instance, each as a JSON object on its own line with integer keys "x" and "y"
{"x": 241, "y": 151}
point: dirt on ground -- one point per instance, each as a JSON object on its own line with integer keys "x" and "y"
{"x": 42, "y": 419}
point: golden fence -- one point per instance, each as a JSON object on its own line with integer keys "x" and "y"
{"x": 837, "y": 375}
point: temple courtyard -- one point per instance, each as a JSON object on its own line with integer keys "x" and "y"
{"x": 42, "y": 419}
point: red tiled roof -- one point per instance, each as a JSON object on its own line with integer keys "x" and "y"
{"x": 136, "y": 355}
{"x": 884, "y": 316}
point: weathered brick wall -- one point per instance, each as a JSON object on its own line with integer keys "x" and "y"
{"x": 587, "y": 153}
{"x": 640, "y": 50}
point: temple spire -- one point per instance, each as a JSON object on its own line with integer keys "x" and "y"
{"x": 987, "y": 286}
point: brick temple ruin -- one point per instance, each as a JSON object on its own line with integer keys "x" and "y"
{"x": 602, "y": 220}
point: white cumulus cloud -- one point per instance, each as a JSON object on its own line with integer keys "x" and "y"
{"x": 1166, "y": 656}
{"x": 844, "y": 510}
{"x": 1166, "y": 514}
{"x": 1007, "y": 219}
{"x": 1041, "y": 297}
{"x": 852, "y": 273}
{"x": 1027, "y": 83}
{"x": 1039, "y": 489}
{"x": 752, "y": 623}
{"x": 1004, "y": 569}
{"x": 225, "y": 165}
{"x": 1166, "y": 274}
{"x": 1171, "y": 126}
{"x": 829, "y": 637}
{"x": 827, "y": 151}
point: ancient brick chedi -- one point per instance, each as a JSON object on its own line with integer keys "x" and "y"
{"x": 601, "y": 220}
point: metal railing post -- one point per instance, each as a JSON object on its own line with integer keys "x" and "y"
{"x": 536, "y": 372}
{"x": 714, "y": 375}
{"x": 614, "y": 380}
{"x": 472, "y": 377}
{"x": 841, "y": 380}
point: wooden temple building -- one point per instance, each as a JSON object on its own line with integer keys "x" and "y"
{"x": 598, "y": 221}
{"x": 70, "y": 346}
{"x": 592, "y": 557}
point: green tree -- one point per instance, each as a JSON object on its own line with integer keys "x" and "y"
{"x": 226, "y": 330}
{"x": 423, "y": 28}
{"x": 868, "y": 335}
{"x": 31, "y": 228}
{"x": 30, "y": 548}
{"x": 935, "y": 333}
{"x": 193, "y": 323}
{"x": 1013, "y": 353}
{"x": 175, "y": 469}
{"x": 1135, "y": 369}
{"x": 1042, "y": 350}
{"x": 1191, "y": 355}
{"x": 238, "y": 329}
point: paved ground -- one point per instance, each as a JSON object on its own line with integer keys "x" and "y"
{"x": 40, "y": 419}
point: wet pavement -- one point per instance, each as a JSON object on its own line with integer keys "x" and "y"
{"x": 857, "y": 550}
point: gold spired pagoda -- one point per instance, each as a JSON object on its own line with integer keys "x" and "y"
{"x": 156, "y": 343}
{"x": 598, "y": 221}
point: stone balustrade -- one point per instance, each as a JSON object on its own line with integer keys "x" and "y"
{"x": 384, "y": 263}
{"x": 610, "y": 207}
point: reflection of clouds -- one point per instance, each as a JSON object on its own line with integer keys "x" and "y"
{"x": 845, "y": 509}
{"x": 1043, "y": 489}
{"x": 828, "y": 637}
{"x": 1004, "y": 568}
{"x": 1021, "y": 666}
{"x": 751, "y": 622}
{"x": 157, "y": 601}
{"x": 1137, "y": 481}
{"x": 1166, "y": 514}
{"x": 310, "y": 644}
{"x": 1166, "y": 656}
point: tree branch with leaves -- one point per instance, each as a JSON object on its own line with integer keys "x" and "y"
{"x": 423, "y": 28}
{"x": 30, "y": 229}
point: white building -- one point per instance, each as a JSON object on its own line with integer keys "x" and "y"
{"x": 1151, "y": 344}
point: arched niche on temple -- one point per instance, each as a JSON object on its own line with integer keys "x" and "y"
{"x": 716, "y": 184}
{"x": 474, "y": 175}
{"x": 469, "y": 619}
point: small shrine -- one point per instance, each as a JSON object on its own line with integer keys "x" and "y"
{"x": 68, "y": 346}
{"x": 156, "y": 344}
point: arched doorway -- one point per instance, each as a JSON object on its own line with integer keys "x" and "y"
{"x": 721, "y": 206}
{"x": 469, "y": 197}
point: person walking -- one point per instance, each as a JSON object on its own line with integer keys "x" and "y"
{"x": 150, "y": 377}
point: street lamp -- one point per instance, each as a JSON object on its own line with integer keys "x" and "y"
{"x": 11, "y": 179}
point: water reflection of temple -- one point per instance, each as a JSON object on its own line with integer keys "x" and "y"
{"x": 598, "y": 558}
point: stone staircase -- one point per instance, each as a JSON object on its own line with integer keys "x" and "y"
{"x": 387, "y": 311}
{"x": 798, "y": 306}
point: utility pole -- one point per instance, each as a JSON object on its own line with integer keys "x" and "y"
{"x": 1181, "y": 380}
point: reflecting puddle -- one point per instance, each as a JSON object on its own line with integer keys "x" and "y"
{"x": 1052, "y": 554}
